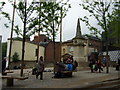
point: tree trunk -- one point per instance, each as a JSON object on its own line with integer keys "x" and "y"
{"x": 11, "y": 35}
{"x": 23, "y": 43}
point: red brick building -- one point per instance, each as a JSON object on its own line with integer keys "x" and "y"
{"x": 49, "y": 48}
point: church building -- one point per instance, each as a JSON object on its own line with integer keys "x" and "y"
{"x": 81, "y": 46}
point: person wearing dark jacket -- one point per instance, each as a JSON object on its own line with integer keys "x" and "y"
{"x": 118, "y": 65}
{"x": 75, "y": 65}
{"x": 3, "y": 65}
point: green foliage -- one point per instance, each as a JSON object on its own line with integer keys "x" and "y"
{"x": 115, "y": 24}
{"x": 99, "y": 10}
{"x": 48, "y": 13}
{"x": 15, "y": 57}
{"x": 4, "y": 49}
{"x": 108, "y": 18}
{"x": 4, "y": 14}
{"x": 91, "y": 36}
{"x": 1, "y": 5}
{"x": 40, "y": 16}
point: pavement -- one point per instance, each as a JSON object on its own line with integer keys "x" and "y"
{"x": 79, "y": 79}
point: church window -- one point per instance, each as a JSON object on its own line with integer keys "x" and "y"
{"x": 75, "y": 41}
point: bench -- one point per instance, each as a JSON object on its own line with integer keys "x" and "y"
{"x": 68, "y": 73}
{"x": 10, "y": 79}
{"x": 5, "y": 73}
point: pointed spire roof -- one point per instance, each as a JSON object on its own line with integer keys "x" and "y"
{"x": 78, "y": 30}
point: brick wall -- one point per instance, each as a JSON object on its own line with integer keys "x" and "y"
{"x": 50, "y": 52}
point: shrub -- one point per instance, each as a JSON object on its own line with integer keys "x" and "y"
{"x": 15, "y": 57}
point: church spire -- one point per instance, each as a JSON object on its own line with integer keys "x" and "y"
{"x": 78, "y": 30}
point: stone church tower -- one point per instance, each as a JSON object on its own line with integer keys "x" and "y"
{"x": 80, "y": 46}
{"x": 78, "y": 30}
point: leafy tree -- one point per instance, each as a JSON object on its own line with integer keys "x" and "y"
{"x": 90, "y": 36}
{"x": 100, "y": 10}
{"x": 114, "y": 24}
{"x": 32, "y": 19}
{"x": 45, "y": 18}
{"x": 4, "y": 14}
{"x": 15, "y": 57}
{"x": 47, "y": 8}
{"x": 48, "y": 13}
{"x": 4, "y": 49}
{"x": 20, "y": 9}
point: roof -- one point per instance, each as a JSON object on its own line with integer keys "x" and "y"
{"x": 44, "y": 44}
{"x": 78, "y": 30}
{"x": 20, "y": 39}
{"x": 68, "y": 41}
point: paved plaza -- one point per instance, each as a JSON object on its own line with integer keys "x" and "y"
{"x": 79, "y": 79}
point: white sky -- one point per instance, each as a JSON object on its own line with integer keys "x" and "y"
{"x": 69, "y": 22}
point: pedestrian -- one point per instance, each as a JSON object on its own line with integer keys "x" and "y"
{"x": 99, "y": 64}
{"x": 40, "y": 68}
{"x": 104, "y": 61}
{"x": 3, "y": 65}
{"x": 118, "y": 65}
{"x": 92, "y": 66}
{"x": 71, "y": 58}
{"x": 68, "y": 61}
{"x": 75, "y": 65}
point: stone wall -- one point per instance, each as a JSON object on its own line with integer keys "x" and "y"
{"x": 29, "y": 64}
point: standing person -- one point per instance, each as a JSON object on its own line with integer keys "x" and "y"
{"x": 118, "y": 65}
{"x": 40, "y": 68}
{"x": 104, "y": 61}
{"x": 71, "y": 58}
{"x": 99, "y": 64}
{"x": 3, "y": 65}
{"x": 75, "y": 65}
{"x": 92, "y": 66}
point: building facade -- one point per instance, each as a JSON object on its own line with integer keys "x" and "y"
{"x": 80, "y": 46}
{"x": 51, "y": 55}
{"x": 30, "y": 50}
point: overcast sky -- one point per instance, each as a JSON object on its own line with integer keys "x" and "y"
{"x": 69, "y": 22}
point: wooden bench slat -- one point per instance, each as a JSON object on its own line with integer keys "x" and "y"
{"x": 20, "y": 78}
{"x": 8, "y": 72}
{"x": 68, "y": 71}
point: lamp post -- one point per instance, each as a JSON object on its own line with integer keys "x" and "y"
{"x": 61, "y": 35}
{"x": 11, "y": 34}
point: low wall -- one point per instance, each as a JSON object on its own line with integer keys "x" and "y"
{"x": 28, "y": 64}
